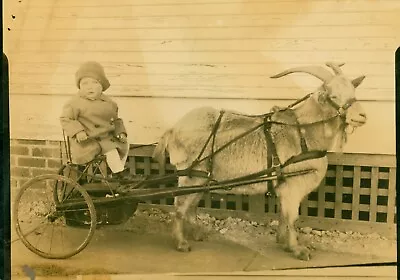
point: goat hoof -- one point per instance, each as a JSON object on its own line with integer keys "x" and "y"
{"x": 311, "y": 247}
{"x": 199, "y": 235}
{"x": 304, "y": 254}
{"x": 287, "y": 249}
{"x": 280, "y": 239}
{"x": 183, "y": 246}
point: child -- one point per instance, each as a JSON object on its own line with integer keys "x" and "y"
{"x": 93, "y": 116}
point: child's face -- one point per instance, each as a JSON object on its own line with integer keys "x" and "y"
{"x": 90, "y": 87}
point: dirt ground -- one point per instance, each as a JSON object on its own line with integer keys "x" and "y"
{"x": 257, "y": 236}
{"x": 144, "y": 245}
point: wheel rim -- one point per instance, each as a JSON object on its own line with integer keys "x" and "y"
{"x": 45, "y": 230}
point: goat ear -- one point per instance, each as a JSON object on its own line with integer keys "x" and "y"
{"x": 357, "y": 81}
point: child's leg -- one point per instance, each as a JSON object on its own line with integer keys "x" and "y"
{"x": 125, "y": 156}
{"x": 114, "y": 161}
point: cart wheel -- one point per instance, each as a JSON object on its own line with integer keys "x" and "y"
{"x": 40, "y": 212}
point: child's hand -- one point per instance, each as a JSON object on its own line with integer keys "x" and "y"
{"x": 122, "y": 137}
{"x": 81, "y": 136}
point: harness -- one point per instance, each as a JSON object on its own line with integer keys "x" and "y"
{"x": 274, "y": 165}
{"x": 342, "y": 109}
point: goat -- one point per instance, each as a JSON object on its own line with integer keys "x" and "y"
{"x": 321, "y": 121}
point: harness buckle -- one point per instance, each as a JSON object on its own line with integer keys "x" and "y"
{"x": 278, "y": 169}
{"x": 342, "y": 112}
{"x": 275, "y": 161}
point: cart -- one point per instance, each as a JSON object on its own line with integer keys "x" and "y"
{"x": 56, "y": 215}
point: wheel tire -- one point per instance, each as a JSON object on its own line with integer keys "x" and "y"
{"x": 76, "y": 188}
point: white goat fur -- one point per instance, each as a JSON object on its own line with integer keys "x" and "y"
{"x": 248, "y": 155}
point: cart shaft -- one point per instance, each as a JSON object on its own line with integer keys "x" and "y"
{"x": 149, "y": 194}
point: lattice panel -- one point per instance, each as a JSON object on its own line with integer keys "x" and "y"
{"x": 356, "y": 187}
{"x": 364, "y": 193}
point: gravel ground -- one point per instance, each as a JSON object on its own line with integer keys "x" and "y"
{"x": 258, "y": 236}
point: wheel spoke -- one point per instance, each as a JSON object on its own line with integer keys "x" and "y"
{"x": 40, "y": 237}
{"x": 51, "y": 239}
{"x": 62, "y": 239}
{"x": 33, "y": 230}
{"x": 59, "y": 237}
{"x": 49, "y": 200}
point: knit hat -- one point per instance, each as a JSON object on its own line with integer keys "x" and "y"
{"x": 93, "y": 70}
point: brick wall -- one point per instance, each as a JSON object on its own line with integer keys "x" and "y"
{"x": 30, "y": 158}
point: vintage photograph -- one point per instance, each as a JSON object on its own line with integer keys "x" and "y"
{"x": 153, "y": 139}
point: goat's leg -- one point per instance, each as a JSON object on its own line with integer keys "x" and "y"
{"x": 184, "y": 206}
{"x": 197, "y": 231}
{"x": 300, "y": 252}
{"x": 287, "y": 234}
{"x": 281, "y": 234}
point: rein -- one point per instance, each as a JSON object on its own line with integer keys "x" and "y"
{"x": 199, "y": 159}
{"x": 276, "y": 164}
{"x": 267, "y": 115}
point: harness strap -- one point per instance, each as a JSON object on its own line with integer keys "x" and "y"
{"x": 341, "y": 110}
{"x": 273, "y": 160}
{"x": 193, "y": 172}
{"x": 259, "y": 174}
{"x": 303, "y": 143}
{"x": 209, "y": 158}
{"x": 299, "y": 101}
{"x": 305, "y": 156}
{"x": 210, "y": 161}
{"x": 228, "y": 143}
{"x": 272, "y": 156}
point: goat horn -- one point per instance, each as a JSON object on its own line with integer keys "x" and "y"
{"x": 317, "y": 71}
{"x": 335, "y": 67}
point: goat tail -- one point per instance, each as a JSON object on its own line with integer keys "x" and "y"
{"x": 161, "y": 148}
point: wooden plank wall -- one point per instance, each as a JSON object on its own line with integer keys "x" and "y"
{"x": 193, "y": 49}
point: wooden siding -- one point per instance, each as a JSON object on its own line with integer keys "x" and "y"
{"x": 192, "y": 50}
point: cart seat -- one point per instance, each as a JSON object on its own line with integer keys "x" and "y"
{"x": 94, "y": 165}
{"x": 86, "y": 152}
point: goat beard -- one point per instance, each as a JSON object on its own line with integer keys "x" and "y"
{"x": 340, "y": 139}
